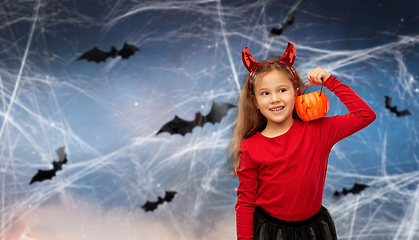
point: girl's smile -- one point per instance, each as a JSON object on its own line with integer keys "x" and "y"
{"x": 277, "y": 109}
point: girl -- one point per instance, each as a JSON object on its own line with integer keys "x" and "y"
{"x": 280, "y": 160}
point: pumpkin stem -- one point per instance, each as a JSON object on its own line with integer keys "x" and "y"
{"x": 321, "y": 89}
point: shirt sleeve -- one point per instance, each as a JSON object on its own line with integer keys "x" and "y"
{"x": 247, "y": 172}
{"x": 333, "y": 129}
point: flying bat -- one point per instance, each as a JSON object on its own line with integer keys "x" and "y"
{"x": 42, "y": 175}
{"x": 289, "y": 21}
{"x": 357, "y": 188}
{"x": 151, "y": 206}
{"x": 394, "y": 109}
{"x": 180, "y": 126}
{"x": 98, "y": 55}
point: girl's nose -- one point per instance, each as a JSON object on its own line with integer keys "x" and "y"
{"x": 274, "y": 98}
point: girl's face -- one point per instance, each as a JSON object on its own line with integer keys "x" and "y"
{"x": 275, "y": 97}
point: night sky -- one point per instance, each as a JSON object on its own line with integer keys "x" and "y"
{"x": 107, "y": 114}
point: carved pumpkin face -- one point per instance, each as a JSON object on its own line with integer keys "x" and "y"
{"x": 312, "y": 105}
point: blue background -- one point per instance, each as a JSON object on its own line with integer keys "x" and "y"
{"x": 107, "y": 114}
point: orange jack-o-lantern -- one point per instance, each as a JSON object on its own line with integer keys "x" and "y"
{"x": 312, "y": 105}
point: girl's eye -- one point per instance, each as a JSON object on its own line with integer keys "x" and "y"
{"x": 265, "y": 93}
{"x": 282, "y": 90}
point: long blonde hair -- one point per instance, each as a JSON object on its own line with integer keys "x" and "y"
{"x": 249, "y": 119}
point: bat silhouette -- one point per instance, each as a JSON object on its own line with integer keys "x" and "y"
{"x": 98, "y": 55}
{"x": 289, "y": 21}
{"x": 394, "y": 109}
{"x": 180, "y": 126}
{"x": 357, "y": 188}
{"x": 151, "y": 206}
{"x": 42, "y": 175}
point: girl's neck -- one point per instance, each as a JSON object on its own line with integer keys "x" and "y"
{"x": 274, "y": 129}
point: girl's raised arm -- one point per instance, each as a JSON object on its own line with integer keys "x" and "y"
{"x": 340, "y": 126}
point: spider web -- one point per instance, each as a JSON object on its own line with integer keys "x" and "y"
{"x": 107, "y": 114}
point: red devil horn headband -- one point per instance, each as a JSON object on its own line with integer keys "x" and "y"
{"x": 252, "y": 65}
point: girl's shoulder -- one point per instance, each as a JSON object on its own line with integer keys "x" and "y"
{"x": 254, "y": 138}
{"x": 251, "y": 141}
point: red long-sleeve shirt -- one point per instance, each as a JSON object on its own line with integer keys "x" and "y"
{"x": 285, "y": 175}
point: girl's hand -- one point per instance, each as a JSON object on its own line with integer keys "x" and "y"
{"x": 315, "y": 77}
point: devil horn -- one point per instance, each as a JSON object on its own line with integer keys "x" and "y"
{"x": 249, "y": 62}
{"x": 289, "y": 55}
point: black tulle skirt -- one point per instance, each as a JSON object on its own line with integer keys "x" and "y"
{"x": 318, "y": 227}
